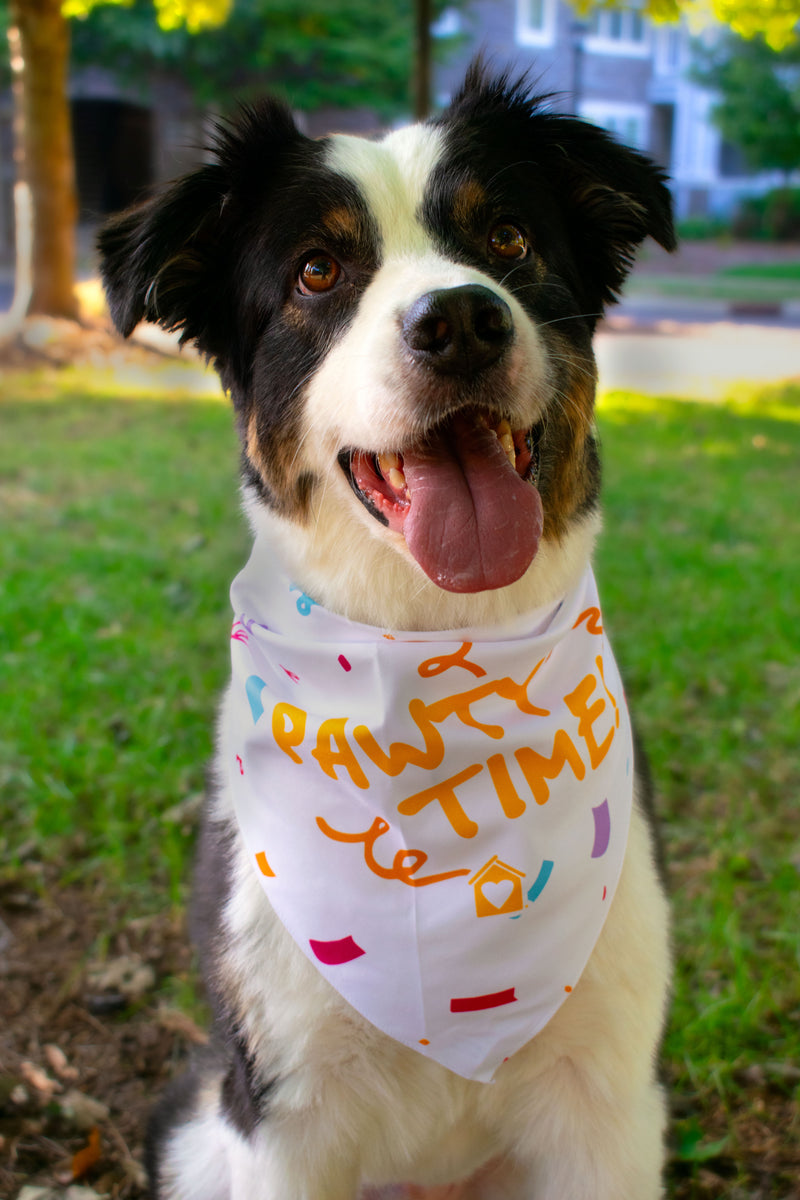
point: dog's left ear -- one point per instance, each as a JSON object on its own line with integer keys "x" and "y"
{"x": 613, "y": 198}
{"x": 170, "y": 260}
{"x": 158, "y": 260}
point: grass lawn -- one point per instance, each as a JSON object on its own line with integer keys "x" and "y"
{"x": 776, "y": 270}
{"x": 743, "y": 283}
{"x": 743, "y": 287}
{"x": 698, "y": 570}
{"x": 121, "y": 536}
{"x": 124, "y": 530}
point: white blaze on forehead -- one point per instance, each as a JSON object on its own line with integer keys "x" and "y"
{"x": 367, "y": 365}
{"x": 392, "y": 175}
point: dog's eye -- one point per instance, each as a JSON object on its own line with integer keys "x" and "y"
{"x": 508, "y": 241}
{"x": 319, "y": 273}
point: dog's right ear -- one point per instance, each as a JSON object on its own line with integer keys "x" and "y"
{"x": 169, "y": 260}
{"x": 158, "y": 260}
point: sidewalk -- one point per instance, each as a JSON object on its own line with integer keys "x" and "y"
{"x": 637, "y": 310}
{"x": 700, "y": 361}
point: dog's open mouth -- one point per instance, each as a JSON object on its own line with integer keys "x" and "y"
{"x": 464, "y": 498}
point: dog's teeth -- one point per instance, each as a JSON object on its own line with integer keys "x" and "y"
{"x": 506, "y": 440}
{"x": 388, "y": 462}
{"x": 397, "y": 479}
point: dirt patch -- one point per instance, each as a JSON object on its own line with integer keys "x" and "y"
{"x": 85, "y": 1043}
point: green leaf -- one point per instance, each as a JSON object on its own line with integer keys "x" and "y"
{"x": 692, "y": 1148}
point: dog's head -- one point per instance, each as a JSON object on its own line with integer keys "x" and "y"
{"x": 405, "y": 330}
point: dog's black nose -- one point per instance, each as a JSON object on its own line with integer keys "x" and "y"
{"x": 458, "y": 331}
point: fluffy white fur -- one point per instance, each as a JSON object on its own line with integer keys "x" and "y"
{"x": 577, "y": 1114}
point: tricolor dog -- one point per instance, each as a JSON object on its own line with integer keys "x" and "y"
{"x": 427, "y": 904}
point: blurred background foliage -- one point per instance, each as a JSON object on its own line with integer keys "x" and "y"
{"x": 319, "y": 53}
{"x": 759, "y": 98}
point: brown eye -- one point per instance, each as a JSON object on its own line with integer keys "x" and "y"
{"x": 508, "y": 241}
{"x": 318, "y": 274}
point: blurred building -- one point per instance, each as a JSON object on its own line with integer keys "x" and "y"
{"x": 615, "y": 68}
{"x": 125, "y": 141}
{"x": 623, "y": 72}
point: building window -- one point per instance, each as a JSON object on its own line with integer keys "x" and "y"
{"x": 448, "y": 24}
{"x": 732, "y": 163}
{"x": 627, "y": 122}
{"x": 535, "y": 22}
{"x": 618, "y": 31}
{"x": 669, "y": 48}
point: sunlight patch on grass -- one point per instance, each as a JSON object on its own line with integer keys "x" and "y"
{"x": 733, "y": 286}
{"x": 775, "y": 270}
{"x": 172, "y": 380}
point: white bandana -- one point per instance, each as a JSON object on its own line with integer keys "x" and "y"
{"x": 438, "y": 819}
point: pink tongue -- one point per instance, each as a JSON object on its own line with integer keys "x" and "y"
{"x": 473, "y": 523}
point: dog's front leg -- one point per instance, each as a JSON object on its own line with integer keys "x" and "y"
{"x": 291, "y": 1160}
{"x": 618, "y": 1158}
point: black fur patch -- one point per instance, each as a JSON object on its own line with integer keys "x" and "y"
{"x": 175, "y": 1108}
{"x": 244, "y": 1096}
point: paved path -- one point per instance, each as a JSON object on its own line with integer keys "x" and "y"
{"x": 702, "y": 360}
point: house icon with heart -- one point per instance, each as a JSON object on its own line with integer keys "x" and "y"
{"x": 498, "y": 889}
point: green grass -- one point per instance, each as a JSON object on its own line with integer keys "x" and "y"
{"x": 698, "y": 570}
{"x": 122, "y": 533}
{"x": 776, "y": 270}
{"x": 760, "y": 286}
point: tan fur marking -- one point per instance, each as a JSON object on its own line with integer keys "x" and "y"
{"x": 566, "y": 476}
{"x": 470, "y": 198}
{"x": 343, "y": 224}
{"x": 253, "y": 447}
{"x": 289, "y": 486}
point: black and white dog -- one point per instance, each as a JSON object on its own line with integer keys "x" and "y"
{"x": 405, "y": 329}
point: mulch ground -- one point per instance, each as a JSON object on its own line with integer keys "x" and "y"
{"x": 55, "y": 342}
{"x": 85, "y": 1045}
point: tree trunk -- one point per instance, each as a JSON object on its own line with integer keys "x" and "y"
{"x": 39, "y": 44}
{"x": 423, "y": 15}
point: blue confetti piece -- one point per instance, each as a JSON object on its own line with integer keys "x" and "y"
{"x": 545, "y": 871}
{"x": 254, "y": 687}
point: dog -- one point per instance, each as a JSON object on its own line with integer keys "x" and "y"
{"x": 404, "y": 327}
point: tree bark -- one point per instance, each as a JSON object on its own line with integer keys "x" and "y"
{"x": 423, "y": 15}
{"x": 39, "y": 45}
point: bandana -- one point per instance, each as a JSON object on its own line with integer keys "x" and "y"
{"x": 438, "y": 819}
